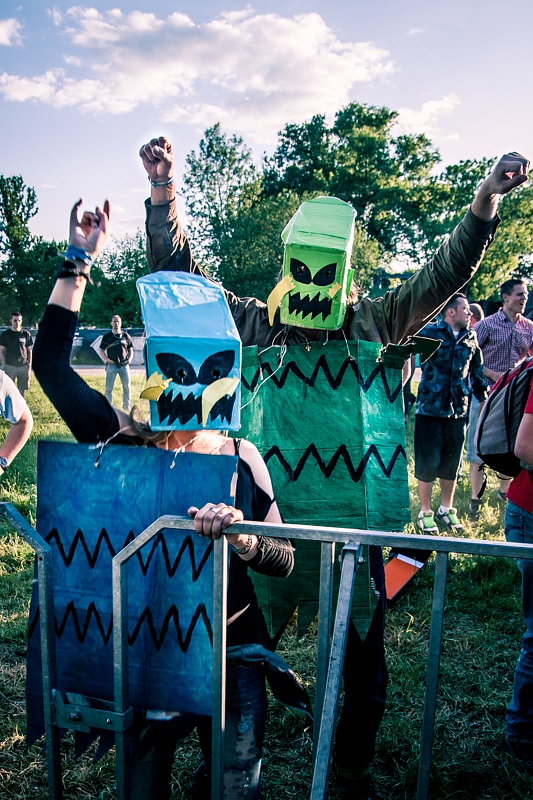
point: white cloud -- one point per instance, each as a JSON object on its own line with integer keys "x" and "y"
{"x": 40, "y": 87}
{"x": 426, "y": 118}
{"x": 56, "y": 15}
{"x": 9, "y": 32}
{"x": 253, "y": 72}
{"x": 415, "y": 31}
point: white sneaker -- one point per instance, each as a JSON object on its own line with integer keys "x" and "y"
{"x": 426, "y": 522}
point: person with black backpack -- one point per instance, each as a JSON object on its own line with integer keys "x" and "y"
{"x": 519, "y": 529}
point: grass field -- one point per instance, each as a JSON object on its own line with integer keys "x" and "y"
{"x": 483, "y": 629}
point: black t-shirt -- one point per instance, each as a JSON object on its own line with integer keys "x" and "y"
{"x": 117, "y": 346}
{"x": 17, "y": 344}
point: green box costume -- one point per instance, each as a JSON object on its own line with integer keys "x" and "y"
{"x": 394, "y": 318}
{"x": 328, "y": 420}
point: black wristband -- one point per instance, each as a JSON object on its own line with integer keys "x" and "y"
{"x": 72, "y": 270}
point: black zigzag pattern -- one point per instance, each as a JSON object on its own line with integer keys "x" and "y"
{"x": 342, "y": 452}
{"x": 92, "y": 557}
{"x": 172, "y": 615}
{"x": 265, "y": 370}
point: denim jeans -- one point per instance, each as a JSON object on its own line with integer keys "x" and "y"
{"x": 111, "y": 372}
{"x": 246, "y": 708}
{"x": 519, "y": 529}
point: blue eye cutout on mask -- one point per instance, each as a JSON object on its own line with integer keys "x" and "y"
{"x": 192, "y": 353}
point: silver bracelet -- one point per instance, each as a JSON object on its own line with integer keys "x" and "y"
{"x": 246, "y": 548}
{"x": 161, "y": 183}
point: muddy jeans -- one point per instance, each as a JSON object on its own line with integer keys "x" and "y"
{"x": 246, "y": 707}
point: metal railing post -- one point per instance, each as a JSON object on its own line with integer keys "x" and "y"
{"x": 220, "y": 592}
{"x": 325, "y": 609}
{"x": 351, "y": 557}
{"x": 120, "y": 672}
{"x": 43, "y": 554}
{"x": 432, "y": 680}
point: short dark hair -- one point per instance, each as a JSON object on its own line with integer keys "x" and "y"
{"x": 477, "y": 311}
{"x": 15, "y": 314}
{"x": 508, "y": 286}
{"x": 453, "y": 302}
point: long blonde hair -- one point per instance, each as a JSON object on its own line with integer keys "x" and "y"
{"x": 143, "y": 429}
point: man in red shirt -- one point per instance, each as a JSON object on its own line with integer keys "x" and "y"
{"x": 519, "y": 528}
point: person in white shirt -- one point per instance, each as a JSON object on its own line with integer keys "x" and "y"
{"x": 14, "y": 409}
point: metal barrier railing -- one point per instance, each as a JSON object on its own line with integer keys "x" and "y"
{"x": 330, "y": 648}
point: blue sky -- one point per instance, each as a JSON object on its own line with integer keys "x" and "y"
{"x": 82, "y": 87}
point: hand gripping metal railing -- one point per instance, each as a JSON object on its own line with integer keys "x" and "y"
{"x": 330, "y": 651}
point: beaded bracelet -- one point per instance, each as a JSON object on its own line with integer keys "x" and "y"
{"x": 246, "y": 548}
{"x": 161, "y": 183}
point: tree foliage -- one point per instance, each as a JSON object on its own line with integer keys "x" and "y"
{"x": 29, "y": 263}
{"x": 28, "y": 278}
{"x": 114, "y": 290}
{"x": 405, "y": 209}
{"x": 510, "y": 254}
{"x": 214, "y": 182}
{"x": 387, "y": 179}
{"x": 18, "y": 204}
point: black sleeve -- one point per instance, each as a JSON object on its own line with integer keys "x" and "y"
{"x": 87, "y": 412}
{"x": 274, "y": 557}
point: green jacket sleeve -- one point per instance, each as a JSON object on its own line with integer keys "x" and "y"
{"x": 394, "y": 317}
{"x": 403, "y": 311}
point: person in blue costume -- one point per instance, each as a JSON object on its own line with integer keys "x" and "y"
{"x": 91, "y": 418}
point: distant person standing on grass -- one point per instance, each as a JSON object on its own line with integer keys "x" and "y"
{"x": 15, "y": 353}
{"x": 505, "y": 339}
{"x": 14, "y": 410}
{"x": 116, "y": 349}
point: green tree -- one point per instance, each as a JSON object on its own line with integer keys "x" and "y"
{"x": 18, "y": 204}
{"x": 404, "y": 209}
{"x": 250, "y": 259}
{"x": 28, "y": 278}
{"x": 236, "y": 225}
{"x": 29, "y": 263}
{"x": 387, "y": 179}
{"x": 114, "y": 290}
{"x": 214, "y": 180}
{"x": 510, "y": 254}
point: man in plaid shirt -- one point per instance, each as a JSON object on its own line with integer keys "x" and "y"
{"x": 505, "y": 339}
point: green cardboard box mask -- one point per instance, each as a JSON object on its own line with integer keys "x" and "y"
{"x": 317, "y": 277}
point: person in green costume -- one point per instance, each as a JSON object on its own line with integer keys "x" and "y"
{"x": 393, "y": 318}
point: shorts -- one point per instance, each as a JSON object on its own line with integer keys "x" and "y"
{"x": 438, "y": 447}
{"x": 19, "y": 375}
{"x": 471, "y": 452}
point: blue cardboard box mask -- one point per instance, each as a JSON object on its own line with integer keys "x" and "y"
{"x": 192, "y": 353}
{"x": 317, "y": 276}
